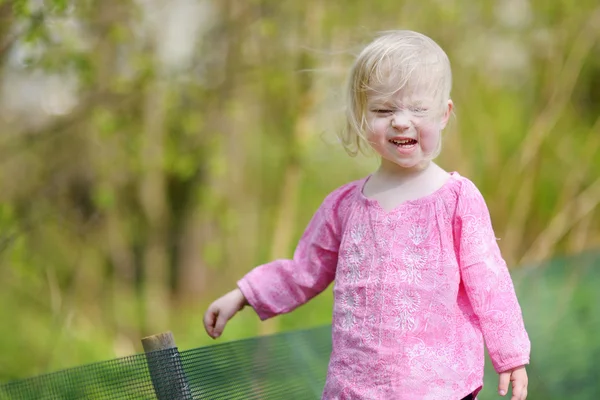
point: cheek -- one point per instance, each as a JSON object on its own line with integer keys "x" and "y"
{"x": 429, "y": 137}
{"x": 377, "y": 125}
{"x": 377, "y": 129}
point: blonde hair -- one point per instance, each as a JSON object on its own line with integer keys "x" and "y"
{"x": 394, "y": 61}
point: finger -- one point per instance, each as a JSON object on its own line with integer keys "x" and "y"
{"x": 222, "y": 319}
{"x": 519, "y": 391}
{"x": 209, "y": 321}
{"x": 516, "y": 393}
{"x": 503, "y": 382}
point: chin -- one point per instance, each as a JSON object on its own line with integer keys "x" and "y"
{"x": 407, "y": 163}
{"x": 413, "y": 165}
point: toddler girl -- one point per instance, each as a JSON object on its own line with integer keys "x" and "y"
{"x": 419, "y": 279}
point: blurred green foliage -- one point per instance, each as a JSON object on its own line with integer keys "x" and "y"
{"x": 186, "y": 142}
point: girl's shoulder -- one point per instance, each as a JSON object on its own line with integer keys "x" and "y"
{"x": 467, "y": 199}
{"x": 465, "y": 188}
{"x": 462, "y": 186}
{"x": 336, "y": 206}
{"x": 345, "y": 194}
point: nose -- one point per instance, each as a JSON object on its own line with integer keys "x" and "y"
{"x": 400, "y": 121}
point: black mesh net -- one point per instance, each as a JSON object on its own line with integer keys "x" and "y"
{"x": 291, "y": 365}
{"x": 123, "y": 378}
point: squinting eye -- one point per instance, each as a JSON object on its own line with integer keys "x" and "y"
{"x": 382, "y": 111}
{"x": 418, "y": 110}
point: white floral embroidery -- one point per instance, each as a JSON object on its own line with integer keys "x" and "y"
{"x": 372, "y": 320}
{"x": 385, "y": 258}
{"x": 369, "y": 335}
{"x": 376, "y": 297}
{"x": 383, "y": 242}
{"x": 355, "y": 260}
{"x": 349, "y": 300}
{"x": 407, "y": 303}
{"x": 377, "y": 282}
{"x": 357, "y": 233}
{"x": 348, "y": 321}
{"x": 404, "y": 323}
{"x": 415, "y": 257}
{"x": 417, "y": 234}
{"x": 415, "y": 260}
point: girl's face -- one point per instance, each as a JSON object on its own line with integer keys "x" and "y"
{"x": 405, "y": 128}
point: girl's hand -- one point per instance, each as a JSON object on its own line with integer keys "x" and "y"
{"x": 221, "y": 311}
{"x": 518, "y": 377}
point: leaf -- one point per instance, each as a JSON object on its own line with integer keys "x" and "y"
{"x": 21, "y": 8}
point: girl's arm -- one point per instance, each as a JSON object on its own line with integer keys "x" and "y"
{"x": 282, "y": 285}
{"x": 488, "y": 283}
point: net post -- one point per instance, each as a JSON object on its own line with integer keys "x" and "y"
{"x": 166, "y": 369}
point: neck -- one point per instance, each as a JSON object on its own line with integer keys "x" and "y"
{"x": 393, "y": 171}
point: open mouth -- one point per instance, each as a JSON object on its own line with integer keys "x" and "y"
{"x": 403, "y": 142}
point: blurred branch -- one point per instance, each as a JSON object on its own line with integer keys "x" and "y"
{"x": 6, "y": 45}
{"x": 7, "y": 240}
{"x": 36, "y": 24}
{"x": 5, "y": 19}
{"x": 570, "y": 215}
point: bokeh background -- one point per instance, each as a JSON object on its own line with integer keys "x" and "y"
{"x": 153, "y": 151}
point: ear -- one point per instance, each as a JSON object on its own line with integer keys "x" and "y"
{"x": 447, "y": 114}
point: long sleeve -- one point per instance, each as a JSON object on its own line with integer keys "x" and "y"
{"x": 281, "y": 286}
{"x": 488, "y": 283}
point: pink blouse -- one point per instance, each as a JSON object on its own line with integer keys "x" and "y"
{"x": 417, "y": 290}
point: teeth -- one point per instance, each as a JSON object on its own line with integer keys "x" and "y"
{"x": 403, "y": 141}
